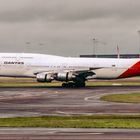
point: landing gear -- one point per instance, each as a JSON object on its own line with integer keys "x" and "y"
{"x": 68, "y": 85}
{"x": 73, "y": 85}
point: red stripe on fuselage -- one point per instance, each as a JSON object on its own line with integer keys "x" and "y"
{"x": 132, "y": 71}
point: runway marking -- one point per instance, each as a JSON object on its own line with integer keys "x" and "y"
{"x": 24, "y": 138}
{"x": 117, "y": 84}
{"x": 87, "y": 98}
{"x": 61, "y": 112}
{"x": 83, "y": 133}
{"x": 95, "y": 97}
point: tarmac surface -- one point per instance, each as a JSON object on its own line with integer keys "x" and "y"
{"x": 58, "y": 101}
{"x": 68, "y": 134}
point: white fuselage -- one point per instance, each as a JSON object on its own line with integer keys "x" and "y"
{"x": 28, "y": 65}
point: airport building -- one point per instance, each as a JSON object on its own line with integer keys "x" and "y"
{"x": 112, "y": 56}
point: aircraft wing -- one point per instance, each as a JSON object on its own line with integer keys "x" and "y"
{"x": 66, "y": 75}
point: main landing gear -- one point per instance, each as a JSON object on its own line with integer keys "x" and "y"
{"x": 73, "y": 84}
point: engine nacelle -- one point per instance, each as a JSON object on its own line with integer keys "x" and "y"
{"x": 42, "y": 77}
{"x": 65, "y": 76}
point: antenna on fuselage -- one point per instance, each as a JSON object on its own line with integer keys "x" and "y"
{"x": 118, "y": 52}
{"x": 139, "y": 42}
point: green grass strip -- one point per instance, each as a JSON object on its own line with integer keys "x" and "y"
{"x": 107, "y": 121}
{"x": 122, "y": 98}
{"x": 31, "y": 82}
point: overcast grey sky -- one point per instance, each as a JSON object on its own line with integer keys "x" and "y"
{"x": 67, "y": 27}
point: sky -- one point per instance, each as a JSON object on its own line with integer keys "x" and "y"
{"x": 69, "y": 27}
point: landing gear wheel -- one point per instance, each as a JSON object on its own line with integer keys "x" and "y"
{"x": 68, "y": 85}
{"x": 80, "y": 84}
{"x": 64, "y": 85}
{"x": 73, "y": 85}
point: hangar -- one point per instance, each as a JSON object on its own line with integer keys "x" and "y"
{"x": 112, "y": 55}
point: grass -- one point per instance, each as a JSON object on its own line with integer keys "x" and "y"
{"x": 107, "y": 121}
{"x": 25, "y": 82}
{"x": 31, "y": 82}
{"x": 122, "y": 98}
{"x": 111, "y": 83}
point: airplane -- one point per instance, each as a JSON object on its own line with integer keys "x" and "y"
{"x": 72, "y": 71}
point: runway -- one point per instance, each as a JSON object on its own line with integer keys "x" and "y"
{"x": 16, "y": 102}
{"x": 64, "y": 102}
{"x": 68, "y": 134}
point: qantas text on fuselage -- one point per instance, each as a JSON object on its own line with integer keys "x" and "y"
{"x": 70, "y": 70}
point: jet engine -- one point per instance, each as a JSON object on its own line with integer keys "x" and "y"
{"x": 43, "y": 77}
{"x": 65, "y": 76}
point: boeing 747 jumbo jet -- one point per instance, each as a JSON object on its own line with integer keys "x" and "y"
{"x": 72, "y": 71}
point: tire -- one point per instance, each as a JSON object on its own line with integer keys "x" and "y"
{"x": 80, "y": 84}
{"x": 73, "y": 85}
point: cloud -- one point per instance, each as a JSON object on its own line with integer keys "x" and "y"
{"x": 67, "y": 27}
{"x": 67, "y": 10}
